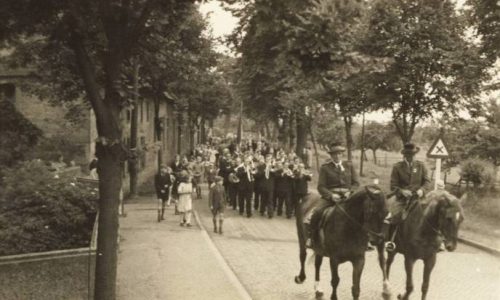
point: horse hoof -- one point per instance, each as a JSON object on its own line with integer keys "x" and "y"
{"x": 386, "y": 296}
{"x": 319, "y": 294}
{"x": 298, "y": 280}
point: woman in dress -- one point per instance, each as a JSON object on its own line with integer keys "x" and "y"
{"x": 185, "y": 206}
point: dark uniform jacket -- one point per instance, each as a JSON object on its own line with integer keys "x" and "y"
{"x": 300, "y": 183}
{"x": 283, "y": 182}
{"x": 331, "y": 177}
{"x": 216, "y": 197}
{"x": 264, "y": 184}
{"x": 245, "y": 184}
{"x": 411, "y": 178}
{"x": 162, "y": 185}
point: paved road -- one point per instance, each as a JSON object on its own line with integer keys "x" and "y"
{"x": 263, "y": 254}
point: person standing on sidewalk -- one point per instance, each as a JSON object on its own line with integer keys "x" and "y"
{"x": 185, "y": 205}
{"x": 197, "y": 168}
{"x": 163, "y": 182}
{"x": 217, "y": 203}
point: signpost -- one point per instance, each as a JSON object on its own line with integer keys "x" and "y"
{"x": 439, "y": 151}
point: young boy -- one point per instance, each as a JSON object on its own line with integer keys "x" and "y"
{"x": 217, "y": 203}
{"x": 163, "y": 182}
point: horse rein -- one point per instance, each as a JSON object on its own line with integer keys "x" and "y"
{"x": 377, "y": 234}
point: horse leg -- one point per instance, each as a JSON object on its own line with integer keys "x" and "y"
{"x": 390, "y": 260}
{"x": 386, "y": 291}
{"x": 409, "y": 262}
{"x": 302, "y": 274}
{"x": 334, "y": 269}
{"x": 357, "y": 269}
{"x": 429, "y": 264}
{"x": 302, "y": 246}
{"x": 318, "y": 260}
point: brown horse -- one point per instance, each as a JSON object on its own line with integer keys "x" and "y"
{"x": 346, "y": 232}
{"x": 419, "y": 236}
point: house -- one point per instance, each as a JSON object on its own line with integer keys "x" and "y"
{"x": 51, "y": 120}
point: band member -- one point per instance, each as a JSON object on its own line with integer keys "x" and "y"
{"x": 197, "y": 168}
{"x": 283, "y": 188}
{"x": 265, "y": 175}
{"x": 337, "y": 180}
{"x": 233, "y": 184}
{"x": 246, "y": 174}
{"x": 300, "y": 182}
{"x": 257, "y": 199}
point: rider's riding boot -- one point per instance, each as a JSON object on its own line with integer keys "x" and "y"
{"x": 220, "y": 226}
{"x": 215, "y": 225}
{"x": 162, "y": 213}
{"x": 386, "y": 230}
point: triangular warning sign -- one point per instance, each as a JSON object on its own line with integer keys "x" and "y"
{"x": 438, "y": 149}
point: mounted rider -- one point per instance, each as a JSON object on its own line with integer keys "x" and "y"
{"x": 337, "y": 180}
{"x": 409, "y": 181}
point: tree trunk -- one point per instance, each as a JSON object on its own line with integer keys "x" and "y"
{"x": 180, "y": 122}
{"x": 374, "y": 156}
{"x": 227, "y": 124}
{"x": 292, "y": 132}
{"x": 301, "y": 136}
{"x": 268, "y": 132}
{"x": 362, "y": 146}
{"x": 203, "y": 134}
{"x": 158, "y": 131}
{"x": 133, "y": 166}
{"x": 348, "y": 136}
{"x": 313, "y": 140}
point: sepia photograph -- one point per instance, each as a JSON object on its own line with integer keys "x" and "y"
{"x": 249, "y": 149}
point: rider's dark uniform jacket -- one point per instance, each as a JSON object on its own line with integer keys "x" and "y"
{"x": 408, "y": 177}
{"x": 331, "y": 177}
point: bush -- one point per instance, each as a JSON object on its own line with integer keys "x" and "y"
{"x": 39, "y": 212}
{"x": 478, "y": 171}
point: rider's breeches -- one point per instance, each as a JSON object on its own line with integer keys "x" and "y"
{"x": 395, "y": 207}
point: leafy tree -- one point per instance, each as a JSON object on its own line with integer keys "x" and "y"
{"x": 92, "y": 41}
{"x": 380, "y": 136}
{"x": 485, "y": 15}
{"x": 435, "y": 69}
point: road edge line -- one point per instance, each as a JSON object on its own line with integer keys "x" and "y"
{"x": 492, "y": 251}
{"x": 225, "y": 266}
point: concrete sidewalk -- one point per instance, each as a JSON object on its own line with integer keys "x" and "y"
{"x": 167, "y": 261}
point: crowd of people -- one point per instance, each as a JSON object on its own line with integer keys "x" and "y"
{"x": 249, "y": 177}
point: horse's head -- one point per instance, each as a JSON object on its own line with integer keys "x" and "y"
{"x": 449, "y": 214}
{"x": 374, "y": 212}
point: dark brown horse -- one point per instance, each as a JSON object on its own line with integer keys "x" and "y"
{"x": 346, "y": 232}
{"x": 421, "y": 233}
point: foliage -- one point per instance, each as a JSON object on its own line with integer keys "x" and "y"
{"x": 485, "y": 15}
{"x": 380, "y": 136}
{"x": 17, "y": 135}
{"x": 435, "y": 69}
{"x": 480, "y": 173}
{"x": 50, "y": 148}
{"x": 40, "y": 213}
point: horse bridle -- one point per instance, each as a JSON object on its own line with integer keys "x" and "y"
{"x": 362, "y": 226}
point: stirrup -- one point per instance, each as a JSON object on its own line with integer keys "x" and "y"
{"x": 390, "y": 246}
